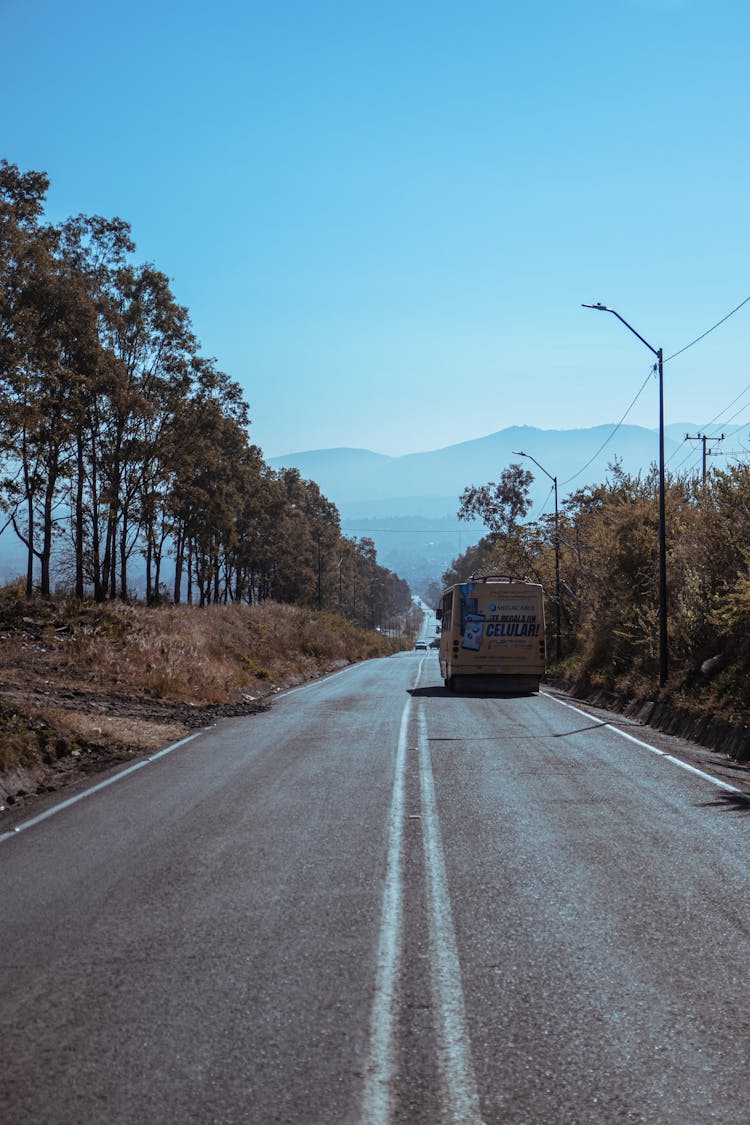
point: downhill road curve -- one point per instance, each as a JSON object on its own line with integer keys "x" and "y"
{"x": 382, "y": 902}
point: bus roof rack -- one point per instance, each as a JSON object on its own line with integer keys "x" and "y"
{"x": 501, "y": 577}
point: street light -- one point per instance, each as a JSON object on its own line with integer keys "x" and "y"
{"x": 520, "y": 453}
{"x": 663, "y": 639}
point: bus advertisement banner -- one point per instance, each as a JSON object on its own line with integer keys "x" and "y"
{"x": 490, "y": 619}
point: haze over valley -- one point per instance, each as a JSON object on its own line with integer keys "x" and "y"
{"x": 408, "y": 504}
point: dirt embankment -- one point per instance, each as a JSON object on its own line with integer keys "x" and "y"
{"x": 87, "y": 687}
{"x": 78, "y": 733}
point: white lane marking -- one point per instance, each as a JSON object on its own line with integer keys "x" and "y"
{"x": 454, "y": 1048}
{"x": 146, "y": 761}
{"x": 96, "y": 788}
{"x": 325, "y": 679}
{"x": 311, "y": 683}
{"x": 647, "y": 746}
{"x": 376, "y": 1101}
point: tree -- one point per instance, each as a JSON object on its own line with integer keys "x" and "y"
{"x": 93, "y": 250}
{"x": 54, "y": 371}
{"x": 38, "y": 335}
{"x": 499, "y": 505}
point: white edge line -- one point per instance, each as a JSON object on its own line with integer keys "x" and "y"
{"x": 97, "y": 788}
{"x": 311, "y": 683}
{"x": 152, "y": 758}
{"x": 647, "y": 746}
{"x": 328, "y": 676}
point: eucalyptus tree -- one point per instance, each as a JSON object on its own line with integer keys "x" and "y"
{"x": 262, "y": 500}
{"x": 212, "y": 470}
{"x": 57, "y": 363}
{"x": 116, "y": 435}
{"x": 40, "y": 333}
{"x": 500, "y": 505}
{"x": 294, "y": 568}
{"x": 151, "y": 346}
{"x": 93, "y": 250}
{"x": 363, "y": 579}
{"x": 306, "y": 540}
{"x": 325, "y": 533}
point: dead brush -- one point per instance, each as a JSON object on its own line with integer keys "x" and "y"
{"x": 175, "y": 654}
{"x": 95, "y": 730}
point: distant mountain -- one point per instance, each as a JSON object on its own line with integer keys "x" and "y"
{"x": 362, "y": 483}
{"x": 368, "y": 482}
{"x": 408, "y": 504}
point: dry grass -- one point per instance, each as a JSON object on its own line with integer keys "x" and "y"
{"x": 86, "y": 729}
{"x": 217, "y": 654}
{"x": 76, "y": 678}
{"x": 179, "y": 653}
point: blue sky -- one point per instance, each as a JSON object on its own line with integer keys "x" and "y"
{"x": 384, "y": 218}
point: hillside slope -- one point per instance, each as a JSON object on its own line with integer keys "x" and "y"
{"x": 83, "y": 687}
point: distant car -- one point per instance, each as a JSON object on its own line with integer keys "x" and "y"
{"x": 435, "y": 643}
{"x": 420, "y": 646}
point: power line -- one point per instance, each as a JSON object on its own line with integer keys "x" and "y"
{"x": 546, "y": 501}
{"x": 704, "y": 439}
{"x": 605, "y": 443}
{"x": 614, "y": 430}
{"x": 741, "y": 410}
{"x": 693, "y": 453}
{"x": 713, "y": 421}
{"x": 643, "y": 387}
{"x": 734, "y": 400}
{"x": 708, "y": 331}
{"x": 729, "y": 407}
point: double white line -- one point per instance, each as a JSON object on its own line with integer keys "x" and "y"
{"x": 456, "y": 1070}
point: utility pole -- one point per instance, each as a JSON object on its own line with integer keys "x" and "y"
{"x": 710, "y": 453}
{"x": 663, "y": 635}
{"x": 558, "y": 645}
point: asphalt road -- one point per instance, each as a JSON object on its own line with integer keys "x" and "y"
{"x": 383, "y": 902}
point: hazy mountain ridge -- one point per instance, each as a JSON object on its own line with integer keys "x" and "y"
{"x": 356, "y": 477}
{"x": 408, "y": 504}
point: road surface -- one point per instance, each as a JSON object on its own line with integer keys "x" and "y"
{"x": 382, "y": 902}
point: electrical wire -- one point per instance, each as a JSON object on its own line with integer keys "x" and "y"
{"x": 729, "y": 407}
{"x": 726, "y": 421}
{"x": 708, "y": 331}
{"x": 546, "y": 501}
{"x": 614, "y": 429}
{"x": 674, "y": 356}
{"x": 693, "y": 454}
{"x": 715, "y": 421}
{"x": 693, "y": 450}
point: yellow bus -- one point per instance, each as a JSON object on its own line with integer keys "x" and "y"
{"x": 492, "y": 634}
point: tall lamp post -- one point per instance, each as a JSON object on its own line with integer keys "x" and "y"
{"x": 663, "y": 639}
{"x": 520, "y": 453}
